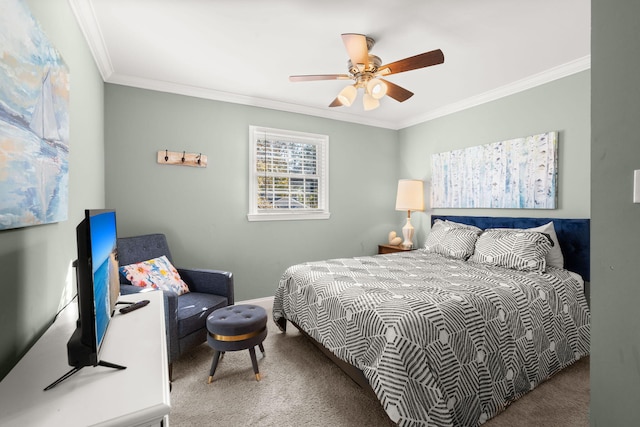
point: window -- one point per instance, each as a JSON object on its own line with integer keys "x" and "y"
{"x": 288, "y": 175}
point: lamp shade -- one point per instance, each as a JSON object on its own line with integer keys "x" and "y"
{"x": 347, "y": 95}
{"x": 369, "y": 102}
{"x": 377, "y": 88}
{"x": 410, "y": 195}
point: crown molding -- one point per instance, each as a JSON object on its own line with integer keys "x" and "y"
{"x": 216, "y": 95}
{"x": 86, "y": 18}
{"x": 530, "y": 82}
{"x": 544, "y": 77}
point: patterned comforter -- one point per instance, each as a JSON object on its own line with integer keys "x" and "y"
{"x": 442, "y": 342}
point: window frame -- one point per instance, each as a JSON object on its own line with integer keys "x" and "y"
{"x": 322, "y": 172}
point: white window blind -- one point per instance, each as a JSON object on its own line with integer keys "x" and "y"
{"x": 288, "y": 175}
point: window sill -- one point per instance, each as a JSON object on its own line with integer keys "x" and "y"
{"x": 287, "y": 216}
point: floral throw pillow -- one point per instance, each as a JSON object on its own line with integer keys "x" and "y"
{"x": 157, "y": 273}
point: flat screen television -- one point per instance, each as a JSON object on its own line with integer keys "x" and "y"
{"x": 98, "y": 287}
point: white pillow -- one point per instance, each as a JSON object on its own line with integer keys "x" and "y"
{"x": 554, "y": 256}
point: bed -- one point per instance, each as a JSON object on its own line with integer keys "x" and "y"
{"x": 450, "y": 334}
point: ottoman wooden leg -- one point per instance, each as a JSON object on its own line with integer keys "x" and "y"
{"x": 261, "y": 348}
{"x": 254, "y": 362}
{"x": 214, "y": 365}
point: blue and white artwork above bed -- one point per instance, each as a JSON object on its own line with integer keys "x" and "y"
{"x": 34, "y": 122}
{"x": 517, "y": 173}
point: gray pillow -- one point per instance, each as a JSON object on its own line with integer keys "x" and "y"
{"x": 451, "y": 240}
{"x": 516, "y": 249}
{"x": 461, "y": 225}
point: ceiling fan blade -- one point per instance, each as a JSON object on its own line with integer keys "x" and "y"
{"x": 308, "y": 78}
{"x": 396, "y": 92}
{"x": 335, "y": 103}
{"x": 356, "y": 45}
{"x": 426, "y": 59}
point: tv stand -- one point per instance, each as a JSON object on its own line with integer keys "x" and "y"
{"x": 77, "y": 368}
{"x": 94, "y": 396}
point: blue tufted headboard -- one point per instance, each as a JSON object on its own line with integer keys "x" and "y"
{"x": 573, "y": 235}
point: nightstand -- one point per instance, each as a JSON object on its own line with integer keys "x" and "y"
{"x": 389, "y": 249}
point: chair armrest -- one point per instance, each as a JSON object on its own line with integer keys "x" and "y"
{"x": 129, "y": 289}
{"x": 171, "y": 323}
{"x": 209, "y": 281}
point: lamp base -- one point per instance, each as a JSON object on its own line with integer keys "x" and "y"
{"x": 407, "y": 233}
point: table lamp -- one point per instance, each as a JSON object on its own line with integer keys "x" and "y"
{"x": 410, "y": 197}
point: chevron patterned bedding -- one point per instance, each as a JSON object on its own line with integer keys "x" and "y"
{"x": 443, "y": 342}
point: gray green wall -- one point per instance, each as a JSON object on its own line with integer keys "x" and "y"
{"x": 615, "y": 220}
{"x": 203, "y": 211}
{"x": 562, "y": 105}
{"x": 35, "y": 262}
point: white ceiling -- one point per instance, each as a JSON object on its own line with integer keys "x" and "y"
{"x": 243, "y": 51}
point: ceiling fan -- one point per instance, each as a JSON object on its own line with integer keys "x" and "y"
{"x": 366, "y": 70}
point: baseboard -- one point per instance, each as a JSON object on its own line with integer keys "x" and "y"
{"x": 257, "y": 301}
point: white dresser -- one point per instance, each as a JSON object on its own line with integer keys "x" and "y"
{"x": 94, "y": 396}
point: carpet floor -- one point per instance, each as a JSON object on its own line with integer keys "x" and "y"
{"x": 300, "y": 386}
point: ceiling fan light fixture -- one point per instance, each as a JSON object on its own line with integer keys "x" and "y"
{"x": 347, "y": 95}
{"x": 369, "y": 102}
{"x": 365, "y": 68}
{"x": 376, "y": 88}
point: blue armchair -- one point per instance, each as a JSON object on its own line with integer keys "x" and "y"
{"x": 185, "y": 315}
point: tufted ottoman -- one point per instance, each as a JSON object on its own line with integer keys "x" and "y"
{"x": 237, "y": 327}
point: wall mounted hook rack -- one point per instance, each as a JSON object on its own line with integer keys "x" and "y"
{"x": 182, "y": 158}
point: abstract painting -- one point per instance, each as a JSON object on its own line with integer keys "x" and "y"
{"x": 519, "y": 173}
{"x": 34, "y": 122}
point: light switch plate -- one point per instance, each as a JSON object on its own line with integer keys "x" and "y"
{"x": 636, "y": 186}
